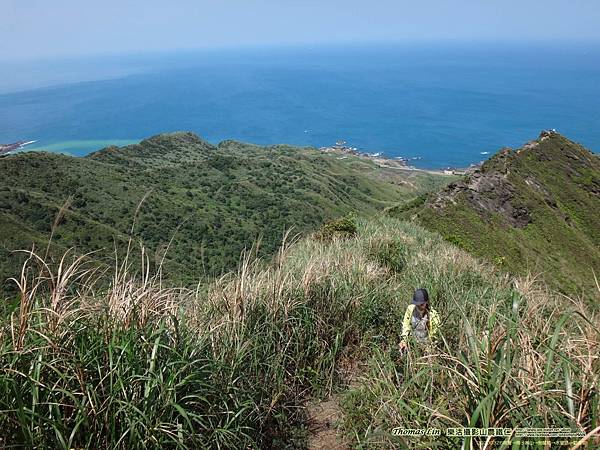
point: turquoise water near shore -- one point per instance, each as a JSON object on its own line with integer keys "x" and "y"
{"x": 448, "y": 105}
{"x": 78, "y": 148}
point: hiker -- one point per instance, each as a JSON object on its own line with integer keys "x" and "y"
{"x": 421, "y": 319}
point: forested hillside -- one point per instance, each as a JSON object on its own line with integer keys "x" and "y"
{"x": 193, "y": 205}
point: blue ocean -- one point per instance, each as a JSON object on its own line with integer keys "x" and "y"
{"x": 448, "y": 105}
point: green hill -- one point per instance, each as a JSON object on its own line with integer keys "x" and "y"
{"x": 201, "y": 204}
{"x": 532, "y": 210}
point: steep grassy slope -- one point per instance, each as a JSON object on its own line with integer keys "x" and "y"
{"x": 141, "y": 366}
{"x": 203, "y": 203}
{"x": 535, "y": 209}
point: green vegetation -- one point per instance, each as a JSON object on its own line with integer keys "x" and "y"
{"x": 103, "y": 347}
{"x": 344, "y": 227}
{"x": 230, "y": 366}
{"x": 533, "y": 210}
{"x": 202, "y": 203}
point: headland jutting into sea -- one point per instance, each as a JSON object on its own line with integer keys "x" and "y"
{"x": 7, "y": 148}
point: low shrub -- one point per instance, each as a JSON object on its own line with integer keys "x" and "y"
{"x": 344, "y": 227}
{"x": 388, "y": 253}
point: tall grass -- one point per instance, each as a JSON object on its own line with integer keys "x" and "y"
{"x": 514, "y": 355}
{"x": 229, "y": 365}
{"x": 138, "y": 365}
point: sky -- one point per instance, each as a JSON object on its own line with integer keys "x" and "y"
{"x": 31, "y": 29}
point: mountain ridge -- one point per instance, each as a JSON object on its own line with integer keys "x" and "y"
{"x": 535, "y": 208}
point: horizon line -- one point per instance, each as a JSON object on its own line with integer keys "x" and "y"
{"x": 307, "y": 45}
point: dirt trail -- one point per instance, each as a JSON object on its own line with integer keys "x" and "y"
{"x": 325, "y": 416}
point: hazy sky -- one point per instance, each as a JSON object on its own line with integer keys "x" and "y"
{"x": 45, "y": 28}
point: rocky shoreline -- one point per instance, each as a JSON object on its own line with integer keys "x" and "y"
{"x": 7, "y": 148}
{"x": 399, "y": 162}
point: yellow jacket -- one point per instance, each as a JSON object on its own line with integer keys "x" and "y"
{"x": 434, "y": 323}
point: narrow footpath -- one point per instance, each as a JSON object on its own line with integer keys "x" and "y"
{"x": 324, "y": 418}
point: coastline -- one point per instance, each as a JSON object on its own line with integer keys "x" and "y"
{"x": 78, "y": 147}
{"x": 81, "y": 148}
{"x": 5, "y": 149}
{"x": 398, "y": 162}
